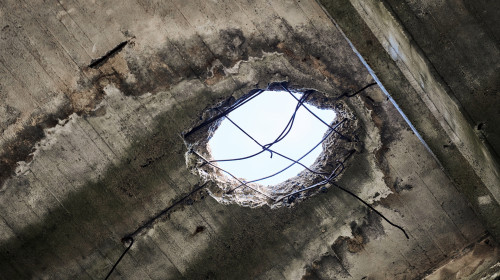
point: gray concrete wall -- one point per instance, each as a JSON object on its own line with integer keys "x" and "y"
{"x": 453, "y": 65}
{"x": 397, "y": 48}
{"x": 95, "y": 152}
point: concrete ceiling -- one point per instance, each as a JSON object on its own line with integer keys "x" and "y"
{"x": 96, "y": 95}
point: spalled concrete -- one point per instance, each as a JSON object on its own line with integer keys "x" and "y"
{"x": 95, "y": 149}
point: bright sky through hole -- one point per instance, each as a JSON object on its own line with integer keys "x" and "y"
{"x": 264, "y": 118}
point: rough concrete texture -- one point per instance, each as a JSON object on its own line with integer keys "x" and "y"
{"x": 100, "y": 93}
{"x": 419, "y": 70}
{"x": 473, "y": 262}
{"x": 338, "y": 146}
{"x": 429, "y": 105}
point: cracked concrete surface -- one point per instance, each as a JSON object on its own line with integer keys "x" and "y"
{"x": 91, "y": 149}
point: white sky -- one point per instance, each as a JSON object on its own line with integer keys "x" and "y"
{"x": 264, "y": 118}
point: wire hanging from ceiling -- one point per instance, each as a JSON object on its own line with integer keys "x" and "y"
{"x": 327, "y": 178}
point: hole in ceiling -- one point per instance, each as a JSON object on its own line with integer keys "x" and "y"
{"x": 264, "y": 119}
{"x": 309, "y": 136}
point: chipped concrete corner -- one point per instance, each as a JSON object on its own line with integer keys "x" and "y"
{"x": 93, "y": 114}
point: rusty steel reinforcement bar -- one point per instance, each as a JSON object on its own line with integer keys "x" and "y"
{"x": 149, "y": 224}
{"x": 326, "y": 180}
